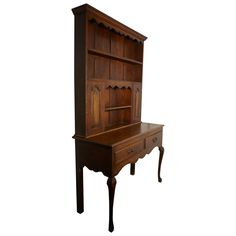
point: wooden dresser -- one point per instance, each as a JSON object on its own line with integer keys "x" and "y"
{"x": 109, "y": 133}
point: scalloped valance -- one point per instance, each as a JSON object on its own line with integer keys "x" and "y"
{"x": 113, "y": 29}
{"x": 114, "y": 86}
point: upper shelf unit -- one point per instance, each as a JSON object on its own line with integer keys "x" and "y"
{"x": 108, "y": 72}
{"x": 112, "y": 55}
{"x": 107, "y": 42}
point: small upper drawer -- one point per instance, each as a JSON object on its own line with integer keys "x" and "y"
{"x": 129, "y": 152}
{"x": 154, "y": 140}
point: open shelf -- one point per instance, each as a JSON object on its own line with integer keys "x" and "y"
{"x": 108, "y": 68}
{"x": 112, "y": 56}
{"x": 117, "y": 108}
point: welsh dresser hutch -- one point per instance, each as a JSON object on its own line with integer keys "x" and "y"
{"x": 109, "y": 134}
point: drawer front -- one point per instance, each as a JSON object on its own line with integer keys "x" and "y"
{"x": 129, "y": 152}
{"x": 154, "y": 140}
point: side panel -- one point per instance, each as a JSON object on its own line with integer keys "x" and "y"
{"x": 80, "y": 72}
{"x": 94, "y": 157}
{"x": 94, "y": 108}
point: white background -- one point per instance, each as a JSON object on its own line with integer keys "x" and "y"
{"x": 188, "y": 85}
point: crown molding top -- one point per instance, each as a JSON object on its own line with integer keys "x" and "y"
{"x": 100, "y": 18}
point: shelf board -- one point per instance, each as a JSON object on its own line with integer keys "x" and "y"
{"x": 113, "y": 81}
{"x": 105, "y": 54}
{"x": 117, "y": 108}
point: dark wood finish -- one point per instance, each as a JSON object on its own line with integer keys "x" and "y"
{"x": 105, "y": 50}
{"x": 80, "y": 72}
{"x": 161, "y": 149}
{"x": 109, "y": 133}
{"x": 111, "y": 182}
{"x": 80, "y": 190}
{"x": 132, "y": 168}
{"x": 79, "y": 182}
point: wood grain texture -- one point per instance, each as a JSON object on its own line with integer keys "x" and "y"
{"x": 80, "y": 72}
{"x": 95, "y": 157}
{"x": 104, "y": 53}
{"x": 110, "y": 152}
{"x": 123, "y": 134}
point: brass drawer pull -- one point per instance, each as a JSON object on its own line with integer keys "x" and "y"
{"x": 154, "y": 139}
{"x": 131, "y": 150}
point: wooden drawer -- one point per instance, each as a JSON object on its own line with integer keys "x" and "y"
{"x": 129, "y": 152}
{"x": 153, "y": 141}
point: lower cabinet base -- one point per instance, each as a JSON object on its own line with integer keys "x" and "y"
{"x": 99, "y": 153}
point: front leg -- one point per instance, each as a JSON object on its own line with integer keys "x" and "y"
{"x": 132, "y": 168}
{"x": 111, "y": 182}
{"x": 161, "y": 149}
{"x": 80, "y": 190}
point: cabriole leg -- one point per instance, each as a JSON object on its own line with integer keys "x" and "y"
{"x": 161, "y": 149}
{"x": 111, "y": 182}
